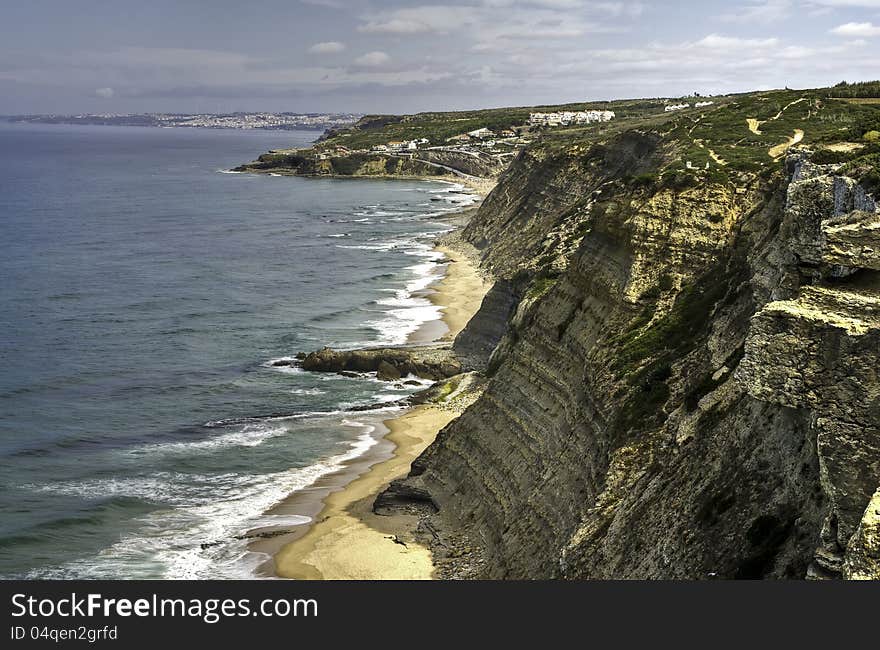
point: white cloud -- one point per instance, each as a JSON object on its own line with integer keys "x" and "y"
{"x": 106, "y": 93}
{"x": 867, "y": 4}
{"x": 416, "y": 20}
{"x": 333, "y": 4}
{"x": 372, "y": 59}
{"x": 394, "y": 26}
{"x": 857, "y": 30}
{"x": 327, "y": 47}
{"x": 772, "y": 11}
{"x": 760, "y": 11}
{"x": 732, "y": 44}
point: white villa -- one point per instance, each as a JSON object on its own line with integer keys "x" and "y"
{"x": 676, "y": 107}
{"x": 481, "y": 133}
{"x": 564, "y": 118}
{"x": 702, "y": 104}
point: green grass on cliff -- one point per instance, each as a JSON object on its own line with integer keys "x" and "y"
{"x": 438, "y": 127}
{"x": 718, "y": 143}
{"x": 709, "y": 144}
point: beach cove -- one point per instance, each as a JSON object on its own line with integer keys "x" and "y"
{"x": 346, "y": 538}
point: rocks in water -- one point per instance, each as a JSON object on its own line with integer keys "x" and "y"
{"x": 387, "y": 372}
{"x": 389, "y": 364}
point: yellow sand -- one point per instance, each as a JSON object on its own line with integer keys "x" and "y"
{"x": 754, "y": 125}
{"x": 349, "y": 541}
{"x": 460, "y": 293}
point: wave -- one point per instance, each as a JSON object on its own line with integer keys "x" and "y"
{"x": 307, "y": 391}
{"x": 208, "y": 535}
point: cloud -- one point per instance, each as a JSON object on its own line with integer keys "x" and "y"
{"x": 767, "y": 12}
{"x": 418, "y": 20}
{"x": 858, "y": 30}
{"x": 106, "y": 93}
{"x": 395, "y": 26}
{"x": 763, "y": 12}
{"x": 732, "y": 44}
{"x": 333, "y": 4}
{"x": 372, "y": 59}
{"x": 327, "y": 47}
{"x": 865, "y": 4}
{"x": 591, "y": 6}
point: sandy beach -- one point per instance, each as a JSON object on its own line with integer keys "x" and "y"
{"x": 347, "y": 540}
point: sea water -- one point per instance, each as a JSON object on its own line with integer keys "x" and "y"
{"x": 145, "y": 295}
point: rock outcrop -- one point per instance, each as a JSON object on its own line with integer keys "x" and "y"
{"x": 427, "y": 163}
{"x": 388, "y": 363}
{"x": 819, "y": 350}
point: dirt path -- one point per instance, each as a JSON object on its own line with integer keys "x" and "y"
{"x": 755, "y": 124}
{"x": 718, "y": 159}
{"x": 780, "y": 149}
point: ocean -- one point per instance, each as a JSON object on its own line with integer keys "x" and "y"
{"x": 146, "y": 293}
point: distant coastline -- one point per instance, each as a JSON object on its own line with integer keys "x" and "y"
{"x": 244, "y": 121}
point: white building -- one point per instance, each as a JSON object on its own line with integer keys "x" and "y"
{"x": 676, "y": 107}
{"x": 702, "y": 104}
{"x": 481, "y": 133}
{"x": 564, "y": 118}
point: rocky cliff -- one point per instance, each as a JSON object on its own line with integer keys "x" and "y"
{"x": 686, "y": 384}
{"x": 426, "y": 163}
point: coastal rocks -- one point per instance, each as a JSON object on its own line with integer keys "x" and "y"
{"x": 453, "y": 394}
{"x": 821, "y": 352}
{"x": 387, "y": 372}
{"x": 308, "y": 162}
{"x": 404, "y": 496}
{"x": 852, "y": 241}
{"x": 819, "y": 349}
{"x": 390, "y": 364}
{"x": 472, "y": 163}
{"x": 863, "y": 552}
{"x": 829, "y": 219}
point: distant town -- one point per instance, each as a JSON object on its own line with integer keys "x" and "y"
{"x": 266, "y": 121}
{"x": 422, "y": 137}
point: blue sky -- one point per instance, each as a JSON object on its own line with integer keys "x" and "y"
{"x": 58, "y": 56}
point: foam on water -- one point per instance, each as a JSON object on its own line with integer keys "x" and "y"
{"x": 202, "y": 538}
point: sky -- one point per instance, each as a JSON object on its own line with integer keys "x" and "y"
{"x": 120, "y": 56}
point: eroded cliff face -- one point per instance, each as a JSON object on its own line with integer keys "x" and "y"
{"x": 688, "y": 386}
{"x": 426, "y": 163}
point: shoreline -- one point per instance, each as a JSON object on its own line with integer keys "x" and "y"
{"x": 346, "y": 539}
{"x": 481, "y": 186}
